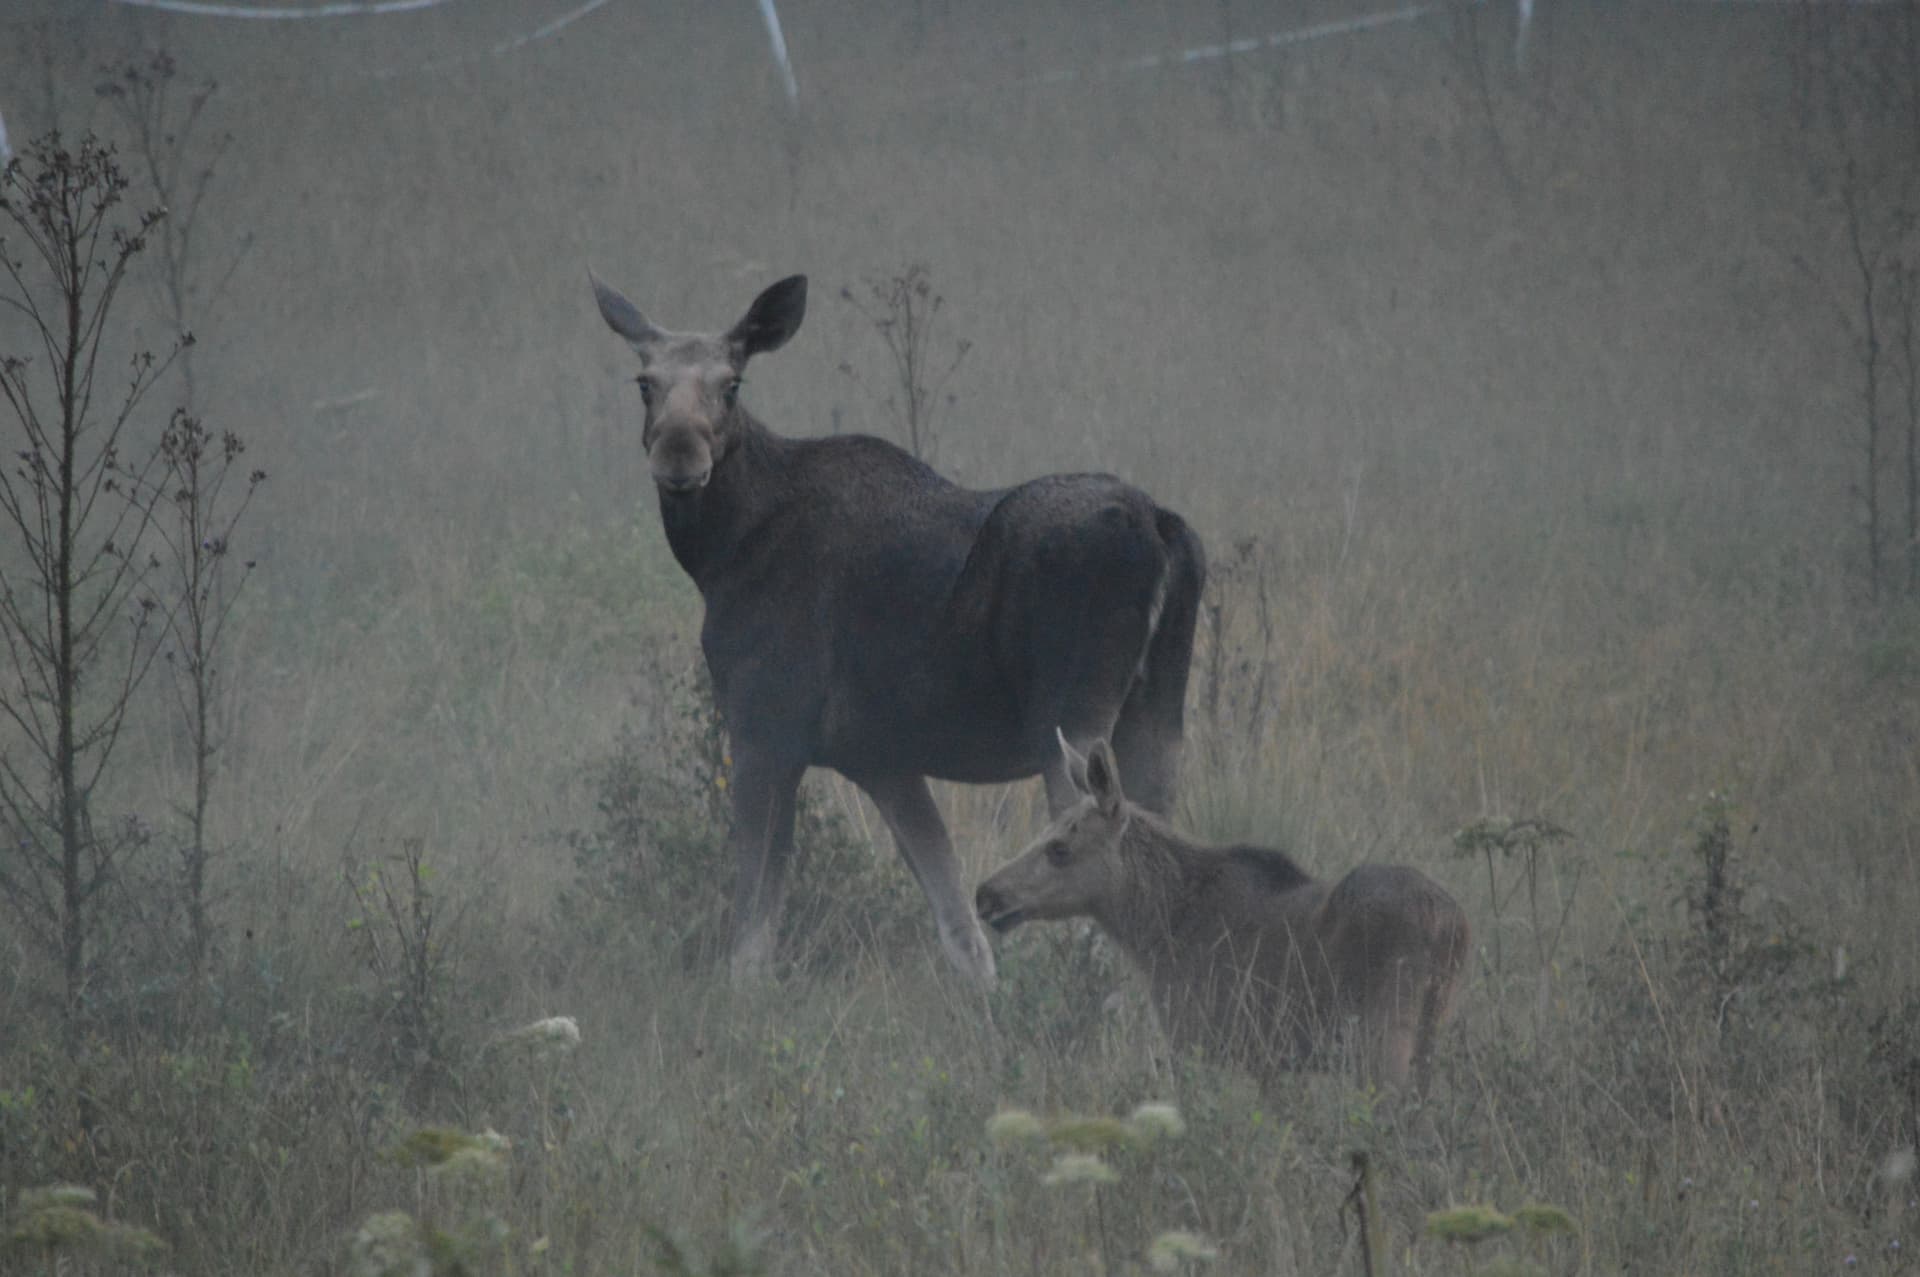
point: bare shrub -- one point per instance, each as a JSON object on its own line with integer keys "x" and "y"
{"x": 904, "y": 310}
{"x": 180, "y": 166}
{"x": 204, "y": 485}
{"x": 407, "y": 931}
{"x": 1859, "y": 111}
{"x": 206, "y": 490}
{"x": 75, "y": 610}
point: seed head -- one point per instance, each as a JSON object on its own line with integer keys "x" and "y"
{"x": 1154, "y": 1120}
{"x": 1543, "y": 1220}
{"x": 1172, "y": 1249}
{"x": 389, "y": 1245}
{"x": 1468, "y": 1224}
{"x": 1090, "y": 1134}
{"x": 1015, "y": 1126}
{"x": 1079, "y": 1168}
{"x": 34, "y": 1199}
{"x": 557, "y": 1035}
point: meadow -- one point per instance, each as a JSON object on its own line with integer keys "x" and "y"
{"x": 1521, "y": 411}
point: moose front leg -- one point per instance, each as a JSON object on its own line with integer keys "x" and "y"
{"x": 921, "y": 836}
{"x": 764, "y": 795}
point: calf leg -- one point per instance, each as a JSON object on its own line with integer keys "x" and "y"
{"x": 922, "y": 839}
{"x": 762, "y": 839}
{"x": 1388, "y": 1051}
{"x": 1390, "y": 1025}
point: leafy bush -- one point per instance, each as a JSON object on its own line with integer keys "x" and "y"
{"x": 1059, "y": 986}
{"x": 658, "y": 857}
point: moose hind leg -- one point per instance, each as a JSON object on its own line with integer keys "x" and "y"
{"x": 762, "y": 840}
{"x": 921, "y": 836}
{"x": 1147, "y": 739}
{"x": 1148, "y": 750}
{"x": 1082, "y": 680}
{"x": 1078, "y": 683}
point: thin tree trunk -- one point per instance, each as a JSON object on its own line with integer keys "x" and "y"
{"x": 1870, "y": 368}
{"x": 1908, "y": 280}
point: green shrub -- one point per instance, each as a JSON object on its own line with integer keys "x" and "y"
{"x": 657, "y": 861}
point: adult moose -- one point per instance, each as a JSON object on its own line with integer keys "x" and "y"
{"x": 1246, "y": 954}
{"x": 865, "y": 614}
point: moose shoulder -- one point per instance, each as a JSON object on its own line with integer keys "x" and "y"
{"x": 1245, "y": 953}
{"x": 866, "y": 614}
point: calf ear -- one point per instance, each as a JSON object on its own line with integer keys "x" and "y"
{"x": 623, "y": 316}
{"x": 774, "y": 317}
{"x": 1075, "y": 760}
{"x": 1103, "y": 778}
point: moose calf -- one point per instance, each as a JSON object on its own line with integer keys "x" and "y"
{"x": 1247, "y": 955}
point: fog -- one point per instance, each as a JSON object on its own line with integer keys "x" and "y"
{"x": 1523, "y": 405}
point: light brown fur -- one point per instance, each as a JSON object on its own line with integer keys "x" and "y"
{"x": 1246, "y": 954}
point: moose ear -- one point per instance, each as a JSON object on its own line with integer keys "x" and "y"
{"x": 623, "y": 316}
{"x": 1075, "y": 760}
{"x": 774, "y": 317}
{"x": 1103, "y": 779}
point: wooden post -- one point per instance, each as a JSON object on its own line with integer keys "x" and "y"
{"x": 1363, "y": 1199}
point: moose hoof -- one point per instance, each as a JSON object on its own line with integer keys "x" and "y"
{"x": 968, "y": 950}
{"x": 752, "y": 962}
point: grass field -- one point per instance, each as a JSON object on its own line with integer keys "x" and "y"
{"x": 1521, "y": 415}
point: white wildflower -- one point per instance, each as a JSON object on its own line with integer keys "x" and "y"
{"x": 1155, "y": 1120}
{"x": 1014, "y": 1126}
{"x": 389, "y": 1245}
{"x": 1079, "y": 1168}
{"x": 1172, "y": 1249}
{"x": 556, "y": 1033}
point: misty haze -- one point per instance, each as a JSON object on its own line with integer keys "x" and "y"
{"x": 1542, "y": 380}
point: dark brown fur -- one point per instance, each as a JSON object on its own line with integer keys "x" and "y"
{"x": 1246, "y": 954}
{"x": 866, "y": 614}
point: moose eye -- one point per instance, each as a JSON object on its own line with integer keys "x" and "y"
{"x": 646, "y": 389}
{"x": 732, "y": 391}
{"x": 1058, "y": 853}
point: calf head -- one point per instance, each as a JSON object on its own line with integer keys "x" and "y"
{"x": 1074, "y": 868}
{"x": 690, "y": 382}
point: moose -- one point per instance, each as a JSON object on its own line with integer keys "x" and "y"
{"x": 1246, "y": 955}
{"x": 866, "y": 614}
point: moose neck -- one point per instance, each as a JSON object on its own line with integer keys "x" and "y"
{"x": 1160, "y": 879}
{"x": 705, "y": 527}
